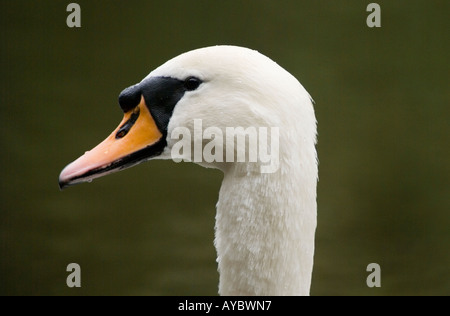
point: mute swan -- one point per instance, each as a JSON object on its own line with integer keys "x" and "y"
{"x": 265, "y": 222}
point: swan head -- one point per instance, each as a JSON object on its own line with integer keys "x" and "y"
{"x": 221, "y": 87}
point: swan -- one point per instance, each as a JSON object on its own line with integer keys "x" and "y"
{"x": 265, "y": 221}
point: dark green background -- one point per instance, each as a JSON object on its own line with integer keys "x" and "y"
{"x": 382, "y": 102}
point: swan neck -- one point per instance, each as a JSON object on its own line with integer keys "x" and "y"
{"x": 265, "y": 226}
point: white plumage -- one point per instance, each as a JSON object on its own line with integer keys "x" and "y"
{"x": 265, "y": 223}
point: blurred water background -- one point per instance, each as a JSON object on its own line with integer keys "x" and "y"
{"x": 382, "y": 101}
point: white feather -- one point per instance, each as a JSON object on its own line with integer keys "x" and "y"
{"x": 265, "y": 223}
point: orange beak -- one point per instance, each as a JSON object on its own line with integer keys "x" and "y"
{"x": 136, "y": 139}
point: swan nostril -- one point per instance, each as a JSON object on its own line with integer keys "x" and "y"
{"x": 125, "y": 128}
{"x": 120, "y": 134}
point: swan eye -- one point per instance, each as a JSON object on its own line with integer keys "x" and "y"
{"x": 192, "y": 83}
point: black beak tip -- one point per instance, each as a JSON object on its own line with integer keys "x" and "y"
{"x": 62, "y": 185}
